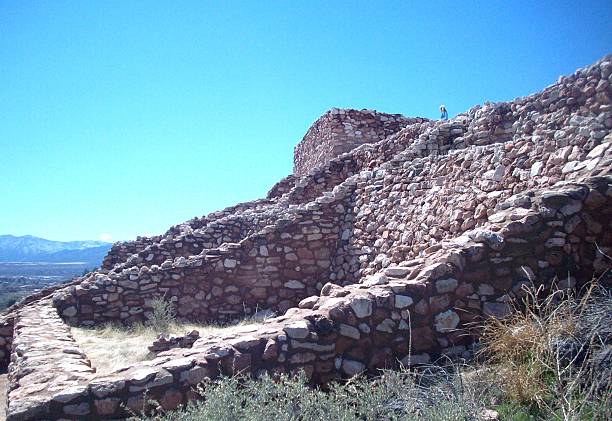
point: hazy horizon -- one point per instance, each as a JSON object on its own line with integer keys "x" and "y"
{"x": 3, "y": 234}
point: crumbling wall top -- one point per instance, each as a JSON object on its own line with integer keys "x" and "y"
{"x": 341, "y": 130}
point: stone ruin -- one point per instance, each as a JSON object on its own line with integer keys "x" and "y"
{"x": 392, "y": 237}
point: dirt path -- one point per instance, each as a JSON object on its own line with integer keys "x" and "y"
{"x": 3, "y": 386}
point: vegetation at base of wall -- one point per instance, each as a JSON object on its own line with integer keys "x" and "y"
{"x": 162, "y": 316}
{"x": 111, "y": 346}
{"x": 551, "y": 360}
{"x": 396, "y": 395}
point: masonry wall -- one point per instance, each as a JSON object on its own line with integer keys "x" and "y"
{"x": 189, "y": 232}
{"x": 272, "y": 270}
{"x": 9, "y": 315}
{"x": 580, "y": 102}
{"x": 403, "y": 211}
{"x": 339, "y": 131}
{"x": 419, "y": 233}
{"x": 409, "y": 313}
{"x": 429, "y": 191}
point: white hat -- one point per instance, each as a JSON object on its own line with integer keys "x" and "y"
{"x": 442, "y": 107}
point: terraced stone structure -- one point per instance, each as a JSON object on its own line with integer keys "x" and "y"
{"x": 339, "y": 131}
{"x": 378, "y": 256}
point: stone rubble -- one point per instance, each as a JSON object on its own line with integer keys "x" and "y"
{"x": 165, "y": 343}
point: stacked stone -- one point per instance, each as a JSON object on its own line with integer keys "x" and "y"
{"x": 121, "y": 252}
{"x": 339, "y": 131}
{"x": 407, "y": 208}
{"x": 420, "y": 233}
{"x": 408, "y": 313}
{"x": 188, "y": 242}
{"x": 201, "y": 222}
{"x": 7, "y": 319}
{"x": 583, "y": 96}
{"x": 411, "y": 195}
{"x": 47, "y": 369}
{"x": 166, "y": 343}
{"x": 282, "y": 187}
{"x": 272, "y": 269}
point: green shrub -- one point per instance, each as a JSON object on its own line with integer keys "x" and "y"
{"x": 392, "y": 396}
{"x": 8, "y": 299}
{"x": 162, "y": 317}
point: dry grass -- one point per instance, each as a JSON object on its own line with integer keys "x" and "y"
{"x": 112, "y": 347}
{"x": 544, "y": 353}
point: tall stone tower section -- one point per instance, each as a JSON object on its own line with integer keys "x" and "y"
{"x": 342, "y": 130}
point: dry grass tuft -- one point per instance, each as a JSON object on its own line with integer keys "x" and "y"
{"x": 113, "y": 347}
{"x": 545, "y": 352}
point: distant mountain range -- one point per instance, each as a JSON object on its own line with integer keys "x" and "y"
{"x": 28, "y": 248}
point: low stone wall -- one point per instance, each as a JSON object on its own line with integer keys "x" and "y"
{"x": 8, "y": 316}
{"x": 273, "y": 269}
{"x": 123, "y": 251}
{"x": 341, "y": 130}
{"x": 282, "y": 187}
{"x": 47, "y": 369}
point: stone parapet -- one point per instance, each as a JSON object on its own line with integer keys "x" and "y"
{"x": 341, "y": 130}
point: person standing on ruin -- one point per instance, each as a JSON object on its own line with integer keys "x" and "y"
{"x": 444, "y": 114}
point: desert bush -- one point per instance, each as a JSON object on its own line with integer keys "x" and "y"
{"x": 10, "y": 298}
{"x": 553, "y": 355}
{"x": 395, "y": 395}
{"x": 162, "y": 316}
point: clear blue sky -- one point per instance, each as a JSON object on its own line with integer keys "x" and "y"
{"x": 121, "y": 118}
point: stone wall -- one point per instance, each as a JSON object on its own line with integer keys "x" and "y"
{"x": 562, "y": 115}
{"x": 47, "y": 371}
{"x": 424, "y": 188}
{"x": 8, "y": 316}
{"x": 378, "y": 255}
{"x": 123, "y": 251}
{"x": 404, "y": 210}
{"x": 273, "y": 269}
{"x": 339, "y": 131}
{"x": 281, "y": 187}
{"x": 408, "y": 313}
